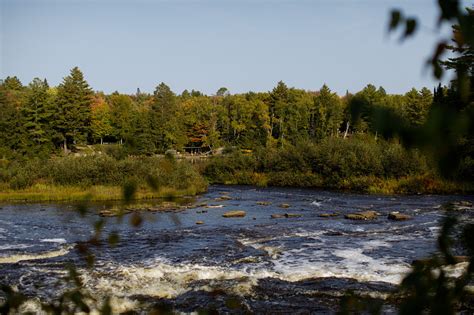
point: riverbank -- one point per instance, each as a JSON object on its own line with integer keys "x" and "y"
{"x": 40, "y": 193}
{"x": 408, "y": 185}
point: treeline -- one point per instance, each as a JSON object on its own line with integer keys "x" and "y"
{"x": 38, "y": 120}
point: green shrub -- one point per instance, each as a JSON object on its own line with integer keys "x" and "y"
{"x": 360, "y": 163}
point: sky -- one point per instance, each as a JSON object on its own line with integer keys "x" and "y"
{"x": 243, "y": 45}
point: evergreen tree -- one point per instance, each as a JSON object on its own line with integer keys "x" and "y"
{"x": 10, "y": 132}
{"x": 37, "y": 114}
{"x": 417, "y": 106}
{"x": 326, "y": 114}
{"x": 12, "y": 83}
{"x": 73, "y": 109}
{"x": 167, "y": 129}
{"x": 279, "y": 99}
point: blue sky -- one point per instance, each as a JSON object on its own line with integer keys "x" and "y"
{"x": 246, "y": 45}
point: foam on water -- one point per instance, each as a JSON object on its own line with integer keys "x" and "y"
{"x": 166, "y": 280}
{"x": 14, "y": 246}
{"x": 22, "y": 257}
{"x": 53, "y": 240}
{"x": 354, "y": 264}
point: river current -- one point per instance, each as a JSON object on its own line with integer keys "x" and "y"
{"x": 300, "y": 264}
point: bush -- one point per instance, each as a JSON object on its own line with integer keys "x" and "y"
{"x": 359, "y": 163}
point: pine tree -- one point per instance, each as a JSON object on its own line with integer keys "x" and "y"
{"x": 167, "y": 130}
{"x": 12, "y": 83}
{"x": 73, "y": 108}
{"x": 8, "y": 124}
{"x": 326, "y": 113}
{"x": 37, "y": 113}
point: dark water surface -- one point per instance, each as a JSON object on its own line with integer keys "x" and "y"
{"x": 295, "y": 265}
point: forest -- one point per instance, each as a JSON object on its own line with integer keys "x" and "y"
{"x": 284, "y": 137}
{"x": 38, "y": 120}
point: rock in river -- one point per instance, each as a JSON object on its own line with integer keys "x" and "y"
{"x": 328, "y": 215}
{"x": 234, "y": 214}
{"x": 199, "y": 222}
{"x": 397, "y": 216}
{"x": 223, "y": 198}
{"x": 285, "y": 215}
{"x": 284, "y": 205}
{"x": 364, "y": 215}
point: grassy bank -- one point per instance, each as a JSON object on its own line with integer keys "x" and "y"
{"x": 97, "y": 178}
{"x": 40, "y": 192}
{"x": 359, "y": 164}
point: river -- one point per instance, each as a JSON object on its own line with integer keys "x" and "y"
{"x": 298, "y": 264}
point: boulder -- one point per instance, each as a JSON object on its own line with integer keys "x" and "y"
{"x": 364, "y": 215}
{"x": 397, "y": 216}
{"x": 284, "y": 205}
{"x": 107, "y": 213}
{"x": 264, "y": 203}
{"x": 277, "y": 216}
{"x": 425, "y": 261}
{"x": 234, "y": 214}
{"x": 199, "y": 222}
{"x": 461, "y": 259}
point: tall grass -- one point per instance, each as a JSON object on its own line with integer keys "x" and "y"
{"x": 99, "y": 176}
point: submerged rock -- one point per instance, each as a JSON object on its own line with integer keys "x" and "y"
{"x": 284, "y": 205}
{"x": 364, "y": 215}
{"x": 199, "y": 222}
{"x": 107, "y": 213}
{"x": 222, "y": 198}
{"x": 328, "y": 215}
{"x": 113, "y": 212}
{"x": 397, "y": 216}
{"x": 264, "y": 203}
{"x": 247, "y": 260}
{"x": 285, "y": 215}
{"x": 234, "y": 214}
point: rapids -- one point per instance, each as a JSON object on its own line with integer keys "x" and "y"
{"x": 298, "y": 264}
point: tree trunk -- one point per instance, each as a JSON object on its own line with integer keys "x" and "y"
{"x": 65, "y": 146}
{"x": 347, "y": 129}
{"x": 101, "y": 141}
